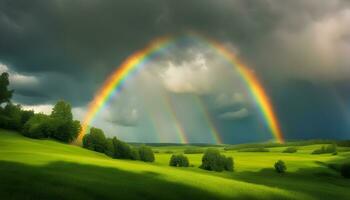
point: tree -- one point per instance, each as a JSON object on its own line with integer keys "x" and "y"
{"x": 146, "y": 154}
{"x": 280, "y": 167}
{"x": 66, "y": 129}
{"x": 95, "y": 140}
{"x": 135, "y": 155}
{"x": 229, "y": 164}
{"x": 109, "y": 147}
{"x": 38, "y": 126}
{"x": 5, "y": 93}
{"x": 212, "y": 160}
{"x": 11, "y": 117}
{"x": 62, "y": 110}
{"x": 179, "y": 161}
{"x": 121, "y": 149}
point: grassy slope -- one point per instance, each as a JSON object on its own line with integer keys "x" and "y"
{"x": 47, "y": 169}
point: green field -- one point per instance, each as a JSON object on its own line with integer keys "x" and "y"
{"x": 45, "y": 169}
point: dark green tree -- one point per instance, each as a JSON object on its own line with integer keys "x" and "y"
{"x": 109, "y": 147}
{"x": 280, "y": 167}
{"x": 11, "y": 117}
{"x": 135, "y": 155}
{"x": 146, "y": 154}
{"x": 122, "y": 150}
{"x": 66, "y": 129}
{"x": 229, "y": 164}
{"x": 62, "y": 110}
{"x": 38, "y": 126}
{"x": 5, "y": 93}
{"x": 95, "y": 140}
{"x": 212, "y": 160}
{"x": 179, "y": 161}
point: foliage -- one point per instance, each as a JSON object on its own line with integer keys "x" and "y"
{"x": 345, "y": 170}
{"x": 179, "y": 161}
{"x": 193, "y": 151}
{"x": 332, "y": 148}
{"x": 135, "y": 155}
{"x": 121, "y": 149}
{"x": 65, "y": 129}
{"x": 212, "y": 160}
{"x": 38, "y": 126}
{"x": 95, "y": 140}
{"x": 109, "y": 151}
{"x": 280, "y": 167}
{"x": 290, "y": 150}
{"x": 146, "y": 154}
{"x": 5, "y": 93}
{"x": 11, "y": 117}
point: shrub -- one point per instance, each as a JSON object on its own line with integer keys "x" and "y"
{"x": 229, "y": 164}
{"x": 95, "y": 140}
{"x": 146, "y": 154}
{"x": 212, "y": 160}
{"x": 345, "y": 170}
{"x": 193, "y": 151}
{"x": 332, "y": 148}
{"x": 11, "y": 117}
{"x": 280, "y": 167}
{"x": 121, "y": 149}
{"x": 65, "y": 129}
{"x": 179, "y": 161}
{"x": 109, "y": 151}
{"x": 135, "y": 155}
{"x": 38, "y": 126}
{"x": 290, "y": 150}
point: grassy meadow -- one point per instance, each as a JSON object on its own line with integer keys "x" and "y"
{"x": 46, "y": 169}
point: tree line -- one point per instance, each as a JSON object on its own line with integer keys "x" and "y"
{"x": 96, "y": 140}
{"x": 61, "y": 126}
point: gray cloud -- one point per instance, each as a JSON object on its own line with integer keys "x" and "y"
{"x": 234, "y": 115}
{"x": 88, "y": 39}
{"x": 62, "y": 49}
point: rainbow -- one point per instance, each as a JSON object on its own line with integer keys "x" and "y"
{"x": 133, "y": 63}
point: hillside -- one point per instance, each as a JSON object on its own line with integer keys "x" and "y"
{"x": 45, "y": 169}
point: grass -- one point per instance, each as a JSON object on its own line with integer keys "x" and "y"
{"x": 45, "y": 169}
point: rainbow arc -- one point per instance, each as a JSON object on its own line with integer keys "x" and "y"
{"x": 136, "y": 61}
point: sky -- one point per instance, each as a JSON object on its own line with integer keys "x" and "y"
{"x": 299, "y": 50}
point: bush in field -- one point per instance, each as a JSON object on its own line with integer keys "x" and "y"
{"x": 212, "y": 160}
{"x": 345, "y": 170}
{"x": 179, "y": 161}
{"x": 146, "y": 154}
{"x": 280, "y": 167}
{"x": 332, "y": 148}
{"x": 229, "y": 164}
{"x": 109, "y": 151}
{"x": 290, "y": 150}
{"x": 193, "y": 151}
{"x": 95, "y": 140}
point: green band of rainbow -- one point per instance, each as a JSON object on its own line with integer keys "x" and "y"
{"x": 115, "y": 82}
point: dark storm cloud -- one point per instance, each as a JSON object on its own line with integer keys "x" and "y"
{"x": 87, "y": 39}
{"x": 70, "y": 47}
